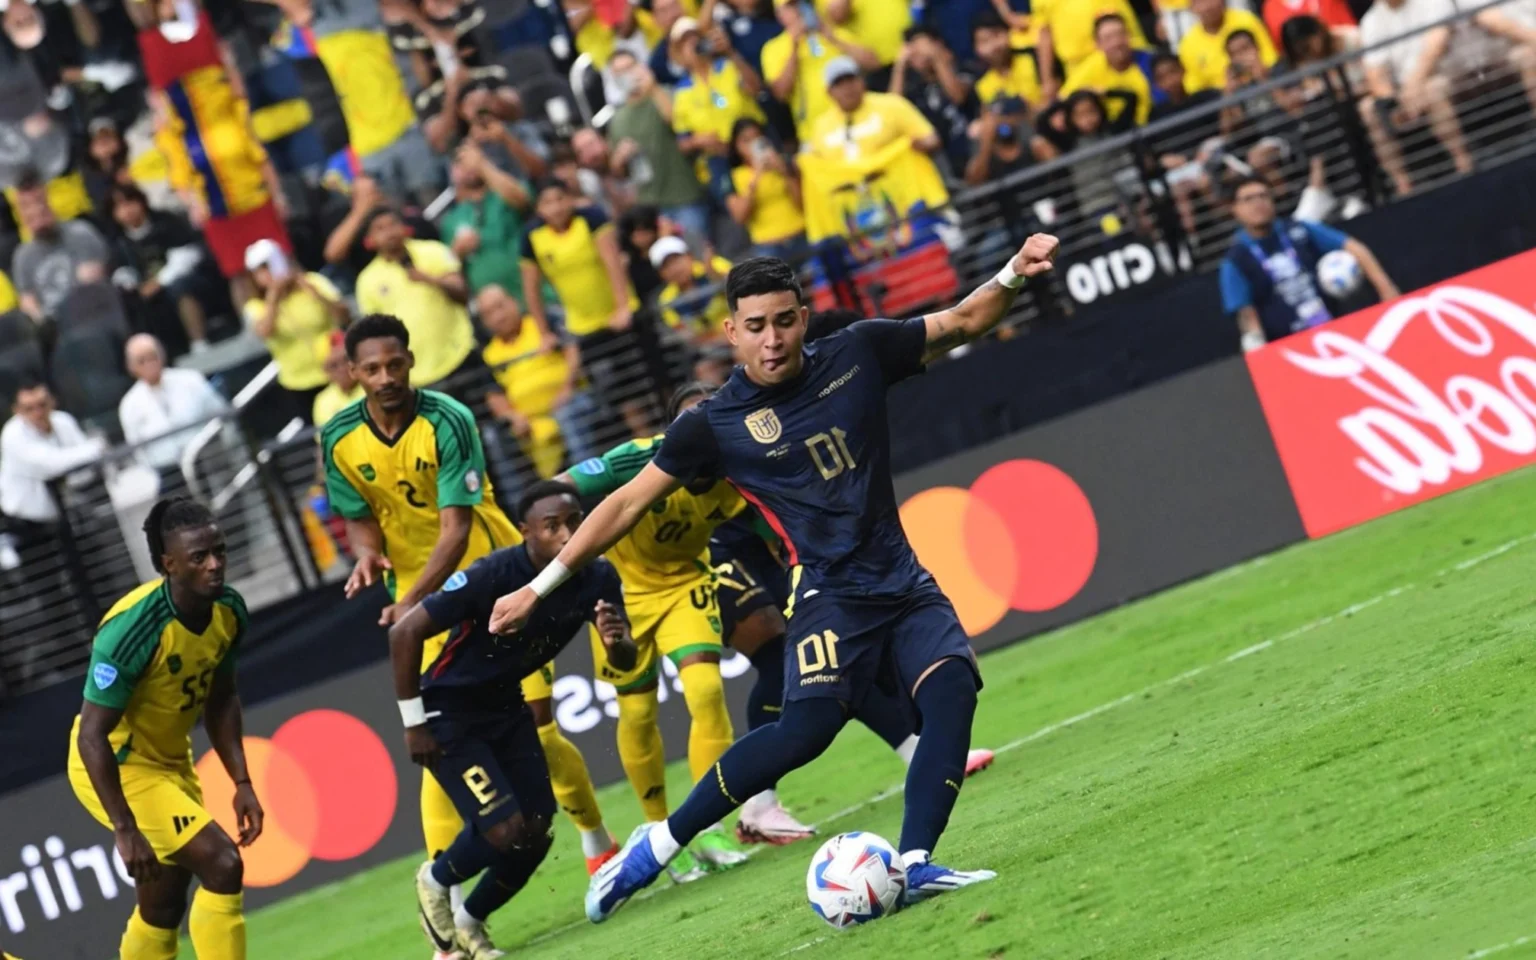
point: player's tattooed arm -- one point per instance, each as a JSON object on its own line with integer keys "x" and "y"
{"x": 225, "y": 724}
{"x": 96, "y": 725}
{"x": 987, "y": 304}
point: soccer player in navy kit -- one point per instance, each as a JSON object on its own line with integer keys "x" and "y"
{"x": 467, "y": 722}
{"x": 802, "y": 433}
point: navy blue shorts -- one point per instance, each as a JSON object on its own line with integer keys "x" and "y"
{"x": 747, "y": 579}
{"x": 840, "y": 648}
{"x": 493, "y": 766}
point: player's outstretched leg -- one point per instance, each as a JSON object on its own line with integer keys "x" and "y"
{"x": 522, "y": 846}
{"x": 891, "y": 720}
{"x": 946, "y": 702}
{"x": 803, "y": 733}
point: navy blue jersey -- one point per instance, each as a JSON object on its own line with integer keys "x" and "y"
{"x": 813, "y": 455}
{"x": 476, "y": 660}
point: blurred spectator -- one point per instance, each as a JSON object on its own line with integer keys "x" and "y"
{"x": 1417, "y": 76}
{"x": 1174, "y": 98}
{"x": 8, "y": 301}
{"x": 346, "y": 214}
{"x": 492, "y": 118}
{"x": 159, "y": 411}
{"x": 927, "y": 74}
{"x": 665, "y": 13}
{"x": 1333, "y": 14}
{"x": 643, "y": 148}
{"x": 638, "y": 229}
{"x": 105, "y": 163}
{"x": 718, "y": 88}
{"x": 1183, "y": 148}
{"x": 766, "y": 197}
{"x": 599, "y": 39}
{"x": 58, "y": 258}
{"x": 795, "y": 62}
{"x": 1066, "y": 36}
{"x": 296, "y": 310}
{"x": 541, "y": 398}
{"x": 218, "y": 165}
{"x": 442, "y": 39}
{"x": 1005, "y": 142}
{"x": 597, "y": 176}
{"x": 1260, "y": 128}
{"x": 749, "y": 23}
{"x": 1115, "y": 65}
{"x": 484, "y": 226}
{"x": 38, "y": 444}
{"x": 584, "y": 184}
{"x": 693, "y": 300}
{"x": 1009, "y": 73}
{"x": 876, "y": 25}
{"x": 422, "y": 283}
{"x": 1268, "y": 280}
{"x": 1079, "y": 123}
{"x": 341, "y": 390}
{"x": 166, "y": 267}
{"x": 1204, "y": 48}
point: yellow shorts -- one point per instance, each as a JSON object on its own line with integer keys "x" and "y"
{"x": 675, "y": 624}
{"x": 168, "y": 804}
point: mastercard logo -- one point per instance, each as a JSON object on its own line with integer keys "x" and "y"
{"x": 1023, "y": 537}
{"x": 327, "y": 784}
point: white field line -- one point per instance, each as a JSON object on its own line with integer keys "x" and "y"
{"x": 1103, "y": 708}
{"x": 1488, "y": 951}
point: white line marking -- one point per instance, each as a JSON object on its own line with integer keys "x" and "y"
{"x": 1502, "y": 548}
{"x": 1479, "y": 954}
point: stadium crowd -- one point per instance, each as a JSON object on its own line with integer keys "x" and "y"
{"x": 181, "y": 174}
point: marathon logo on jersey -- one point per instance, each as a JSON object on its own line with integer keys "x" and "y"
{"x": 104, "y": 675}
{"x": 826, "y": 391}
{"x": 764, "y": 425}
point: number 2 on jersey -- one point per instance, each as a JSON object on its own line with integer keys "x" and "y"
{"x": 817, "y": 652}
{"x": 831, "y": 453}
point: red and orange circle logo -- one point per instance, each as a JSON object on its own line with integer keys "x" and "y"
{"x": 327, "y": 784}
{"x": 1023, "y": 537}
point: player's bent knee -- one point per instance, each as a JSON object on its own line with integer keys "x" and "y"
{"x": 224, "y": 872}
{"x": 509, "y": 834}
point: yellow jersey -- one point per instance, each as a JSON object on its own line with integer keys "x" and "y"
{"x": 436, "y": 461}
{"x": 8, "y": 299}
{"x": 441, "y": 332}
{"x": 67, "y": 198}
{"x": 1204, "y": 54}
{"x": 572, "y": 264}
{"x": 302, "y": 317}
{"x": 879, "y": 121}
{"x": 714, "y": 104}
{"x": 148, "y": 664}
{"x": 532, "y": 381}
{"x": 331, "y": 401}
{"x": 1071, "y": 23}
{"x": 669, "y": 548}
{"x": 809, "y": 98}
{"x": 374, "y": 102}
{"x": 1095, "y": 73}
{"x": 880, "y": 25}
{"x": 775, "y": 215}
{"x": 1021, "y": 80}
{"x": 702, "y": 306}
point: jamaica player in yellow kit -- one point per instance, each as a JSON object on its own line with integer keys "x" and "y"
{"x": 669, "y": 592}
{"x": 406, "y": 470}
{"x": 163, "y": 656}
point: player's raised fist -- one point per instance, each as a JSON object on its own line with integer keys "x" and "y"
{"x": 1036, "y": 256}
{"x": 512, "y": 611}
{"x": 614, "y": 629}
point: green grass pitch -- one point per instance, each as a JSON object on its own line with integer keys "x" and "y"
{"x": 1330, "y": 752}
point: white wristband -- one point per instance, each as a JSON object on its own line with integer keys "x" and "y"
{"x": 412, "y": 712}
{"x": 550, "y": 578}
{"x": 1251, "y": 341}
{"x": 1008, "y": 278}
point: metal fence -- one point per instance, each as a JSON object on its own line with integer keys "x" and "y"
{"x": 1150, "y": 201}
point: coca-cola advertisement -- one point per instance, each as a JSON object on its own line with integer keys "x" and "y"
{"x": 1407, "y": 400}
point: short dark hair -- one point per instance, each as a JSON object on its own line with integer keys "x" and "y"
{"x": 168, "y": 516}
{"x": 543, "y": 490}
{"x": 376, "y": 326}
{"x": 923, "y": 30}
{"x": 1248, "y": 34}
{"x": 127, "y": 191}
{"x": 987, "y": 19}
{"x": 1248, "y": 180}
{"x": 1104, "y": 18}
{"x": 758, "y": 275}
{"x": 29, "y": 180}
{"x": 686, "y": 392}
{"x": 27, "y": 381}
{"x": 1166, "y": 56}
{"x": 551, "y": 183}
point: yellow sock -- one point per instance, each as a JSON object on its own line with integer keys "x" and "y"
{"x": 709, "y": 732}
{"x": 440, "y": 822}
{"x": 641, "y": 753}
{"x": 144, "y": 942}
{"x": 217, "y": 925}
{"x": 569, "y": 778}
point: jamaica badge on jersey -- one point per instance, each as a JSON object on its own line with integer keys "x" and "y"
{"x": 367, "y": 471}
{"x": 764, "y": 425}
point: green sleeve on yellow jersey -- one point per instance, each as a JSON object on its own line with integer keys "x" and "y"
{"x": 123, "y": 649}
{"x": 601, "y": 476}
{"x": 460, "y": 457}
{"x": 344, "y": 498}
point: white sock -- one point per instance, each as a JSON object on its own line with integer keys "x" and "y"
{"x": 456, "y": 897}
{"x": 906, "y": 748}
{"x": 767, "y": 798}
{"x": 431, "y": 881}
{"x": 461, "y": 918}
{"x": 596, "y": 842}
{"x": 914, "y": 856}
{"x": 663, "y": 845}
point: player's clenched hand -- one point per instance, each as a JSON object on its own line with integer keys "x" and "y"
{"x": 1035, "y": 257}
{"x": 368, "y": 569}
{"x": 513, "y": 610}
{"x": 422, "y": 746}
{"x": 138, "y": 856}
{"x": 393, "y": 614}
{"x": 614, "y": 629}
{"x": 248, "y": 814}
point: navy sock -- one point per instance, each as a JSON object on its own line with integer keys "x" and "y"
{"x": 946, "y": 700}
{"x": 766, "y": 701}
{"x": 889, "y": 718}
{"x": 464, "y": 859}
{"x": 503, "y": 880}
{"x": 756, "y": 762}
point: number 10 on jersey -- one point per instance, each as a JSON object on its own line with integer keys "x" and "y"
{"x": 830, "y": 453}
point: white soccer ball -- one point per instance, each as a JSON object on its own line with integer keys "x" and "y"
{"x": 855, "y": 878}
{"x": 1339, "y": 274}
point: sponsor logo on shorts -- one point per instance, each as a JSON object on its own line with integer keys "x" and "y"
{"x": 456, "y": 582}
{"x": 181, "y": 823}
{"x": 104, "y": 674}
{"x": 819, "y": 678}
